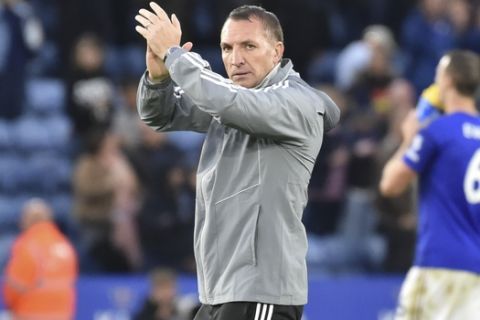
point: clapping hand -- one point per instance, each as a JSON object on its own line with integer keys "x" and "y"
{"x": 161, "y": 33}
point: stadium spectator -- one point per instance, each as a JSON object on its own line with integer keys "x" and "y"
{"x": 466, "y": 32}
{"x": 358, "y": 56}
{"x": 41, "y": 273}
{"x": 165, "y": 216}
{"x": 369, "y": 88}
{"x": 163, "y": 302}
{"x": 89, "y": 90}
{"x": 444, "y": 155}
{"x": 265, "y": 127}
{"x": 126, "y": 124}
{"x": 105, "y": 204}
{"x": 21, "y": 35}
{"x": 327, "y": 188}
{"x": 397, "y": 216}
{"x": 427, "y": 21}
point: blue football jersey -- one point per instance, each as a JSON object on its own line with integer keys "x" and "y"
{"x": 446, "y": 156}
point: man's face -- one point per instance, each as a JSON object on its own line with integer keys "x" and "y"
{"x": 248, "y": 53}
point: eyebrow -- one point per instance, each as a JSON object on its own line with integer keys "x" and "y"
{"x": 248, "y": 41}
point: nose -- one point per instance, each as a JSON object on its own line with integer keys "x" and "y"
{"x": 236, "y": 57}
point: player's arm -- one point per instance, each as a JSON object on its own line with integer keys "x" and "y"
{"x": 397, "y": 173}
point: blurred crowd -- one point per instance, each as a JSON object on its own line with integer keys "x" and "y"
{"x": 127, "y": 199}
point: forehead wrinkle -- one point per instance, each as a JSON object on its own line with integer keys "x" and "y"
{"x": 266, "y": 32}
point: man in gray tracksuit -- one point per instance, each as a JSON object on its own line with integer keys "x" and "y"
{"x": 264, "y": 128}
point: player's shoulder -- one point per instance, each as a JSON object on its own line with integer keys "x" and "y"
{"x": 448, "y": 126}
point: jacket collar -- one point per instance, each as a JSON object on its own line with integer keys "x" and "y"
{"x": 278, "y": 74}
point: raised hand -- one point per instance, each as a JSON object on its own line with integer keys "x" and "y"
{"x": 160, "y": 32}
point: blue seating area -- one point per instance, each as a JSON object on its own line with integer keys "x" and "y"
{"x": 35, "y": 157}
{"x": 343, "y": 298}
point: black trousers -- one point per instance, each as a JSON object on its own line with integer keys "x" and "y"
{"x": 248, "y": 311}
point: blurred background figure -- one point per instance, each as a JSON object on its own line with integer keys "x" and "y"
{"x": 397, "y": 220}
{"x": 427, "y": 21}
{"x": 377, "y": 44}
{"x": 41, "y": 273}
{"x": 89, "y": 89}
{"x": 21, "y": 35}
{"x": 126, "y": 123}
{"x": 166, "y": 217}
{"x": 162, "y": 302}
{"x": 106, "y": 200}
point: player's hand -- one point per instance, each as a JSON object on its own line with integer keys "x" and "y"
{"x": 158, "y": 29}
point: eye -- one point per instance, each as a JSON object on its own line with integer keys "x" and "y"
{"x": 226, "y": 49}
{"x": 250, "y": 46}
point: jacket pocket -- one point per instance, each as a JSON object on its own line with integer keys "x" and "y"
{"x": 236, "y": 224}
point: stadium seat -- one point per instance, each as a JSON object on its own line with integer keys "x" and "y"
{"x": 62, "y": 206}
{"x": 6, "y": 243}
{"x": 13, "y": 174}
{"x": 6, "y": 141}
{"x": 31, "y": 135}
{"x": 59, "y": 132}
{"x": 45, "y": 95}
{"x": 39, "y": 134}
{"x": 48, "y": 173}
{"x": 61, "y": 203}
{"x": 10, "y": 209}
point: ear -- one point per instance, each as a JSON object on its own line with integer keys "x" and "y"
{"x": 279, "y": 49}
{"x": 448, "y": 79}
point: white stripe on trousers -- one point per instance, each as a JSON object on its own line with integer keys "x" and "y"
{"x": 263, "y": 308}
{"x": 270, "y": 312}
{"x": 257, "y": 311}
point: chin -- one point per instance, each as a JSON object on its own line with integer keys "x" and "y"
{"x": 246, "y": 84}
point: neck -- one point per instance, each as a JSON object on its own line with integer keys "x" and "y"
{"x": 455, "y": 102}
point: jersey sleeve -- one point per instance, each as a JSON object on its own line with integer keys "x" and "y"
{"x": 421, "y": 151}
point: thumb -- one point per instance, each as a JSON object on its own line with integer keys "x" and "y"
{"x": 187, "y": 46}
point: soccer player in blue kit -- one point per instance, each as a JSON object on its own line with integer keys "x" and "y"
{"x": 444, "y": 282}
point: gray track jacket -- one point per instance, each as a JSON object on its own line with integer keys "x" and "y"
{"x": 255, "y": 166}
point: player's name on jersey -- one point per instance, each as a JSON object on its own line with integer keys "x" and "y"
{"x": 471, "y": 131}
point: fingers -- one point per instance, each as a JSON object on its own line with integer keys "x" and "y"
{"x": 152, "y": 17}
{"x": 159, "y": 11}
{"x": 143, "y": 31}
{"x": 142, "y": 20}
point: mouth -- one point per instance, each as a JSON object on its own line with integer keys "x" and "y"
{"x": 239, "y": 74}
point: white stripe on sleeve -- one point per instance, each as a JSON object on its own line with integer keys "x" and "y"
{"x": 229, "y": 87}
